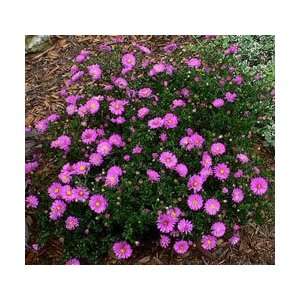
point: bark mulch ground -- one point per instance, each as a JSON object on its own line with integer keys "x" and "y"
{"x": 44, "y": 77}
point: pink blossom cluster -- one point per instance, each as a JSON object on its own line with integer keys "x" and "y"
{"x": 172, "y": 225}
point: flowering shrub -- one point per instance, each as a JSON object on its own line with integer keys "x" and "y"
{"x": 148, "y": 149}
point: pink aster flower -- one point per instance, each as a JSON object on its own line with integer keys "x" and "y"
{"x": 208, "y": 242}
{"x": 96, "y": 159}
{"x": 117, "y": 107}
{"x": 57, "y": 209}
{"x": 111, "y": 180}
{"x": 218, "y": 229}
{"x": 81, "y": 168}
{"x": 205, "y": 173}
{"x": 118, "y": 120}
{"x": 236, "y": 227}
{"x": 196, "y": 140}
{"x": 89, "y": 136}
{"x": 169, "y": 48}
{"x": 178, "y": 103}
{"x": 181, "y": 169}
{"x": 195, "y": 202}
{"x": 163, "y": 137}
{"x": 74, "y": 69}
{"x": 98, "y": 203}
{"x": 122, "y": 250}
{"x": 68, "y": 168}
{"x": 181, "y": 247}
{"x": 165, "y": 223}
{"x": 81, "y": 193}
{"x": 170, "y": 120}
{"x": 32, "y": 201}
{"x": 116, "y": 140}
{"x": 259, "y": 185}
{"x": 72, "y": 223}
{"x": 126, "y": 157}
{"x": 53, "y": 118}
{"x": 82, "y": 56}
{"x": 115, "y": 170}
{"x": 72, "y": 99}
{"x": 82, "y": 110}
{"x": 104, "y": 147}
{"x": 92, "y": 106}
{"x": 195, "y": 183}
{"x": 71, "y": 109}
{"x": 243, "y": 158}
{"x": 206, "y": 161}
{"x": 63, "y": 142}
{"x": 234, "y": 239}
{"x": 238, "y": 80}
{"x": 238, "y": 174}
{"x": 224, "y": 190}
{"x": 194, "y": 63}
{"x": 185, "y": 142}
{"x": 185, "y": 92}
{"x": 95, "y": 72}
{"x": 164, "y": 241}
{"x": 143, "y": 112}
{"x": 73, "y": 261}
{"x": 156, "y": 123}
{"x": 128, "y": 60}
{"x": 221, "y": 171}
{"x": 174, "y": 212}
{"x": 237, "y": 195}
{"x": 65, "y": 177}
{"x": 143, "y": 49}
{"x": 157, "y": 68}
{"x": 145, "y": 92}
{"x": 137, "y": 150}
{"x": 185, "y": 226}
{"x": 232, "y": 49}
{"x": 217, "y": 149}
{"x": 77, "y": 76}
{"x": 217, "y": 103}
{"x": 54, "y": 190}
{"x": 169, "y": 69}
{"x": 42, "y": 126}
{"x": 30, "y": 167}
{"x": 212, "y": 206}
{"x": 104, "y": 48}
{"x": 107, "y": 87}
{"x": 168, "y": 159}
{"x": 120, "y": 83}
{"x": 230, "y": 97}
{"x": 153, "y": 176}
{"x": 68, "y": 193}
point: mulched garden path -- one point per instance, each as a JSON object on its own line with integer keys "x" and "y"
{"x": 44, "y": 76}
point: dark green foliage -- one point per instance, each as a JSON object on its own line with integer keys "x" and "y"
{"x": 134, "y": 205}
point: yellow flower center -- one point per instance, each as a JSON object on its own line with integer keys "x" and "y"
{"x": 81, "y": 168}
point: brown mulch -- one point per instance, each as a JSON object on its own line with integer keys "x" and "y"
{"x": 45, "y": 73}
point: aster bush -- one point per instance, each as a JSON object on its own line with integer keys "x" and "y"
{"x": 151, "y": 149}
